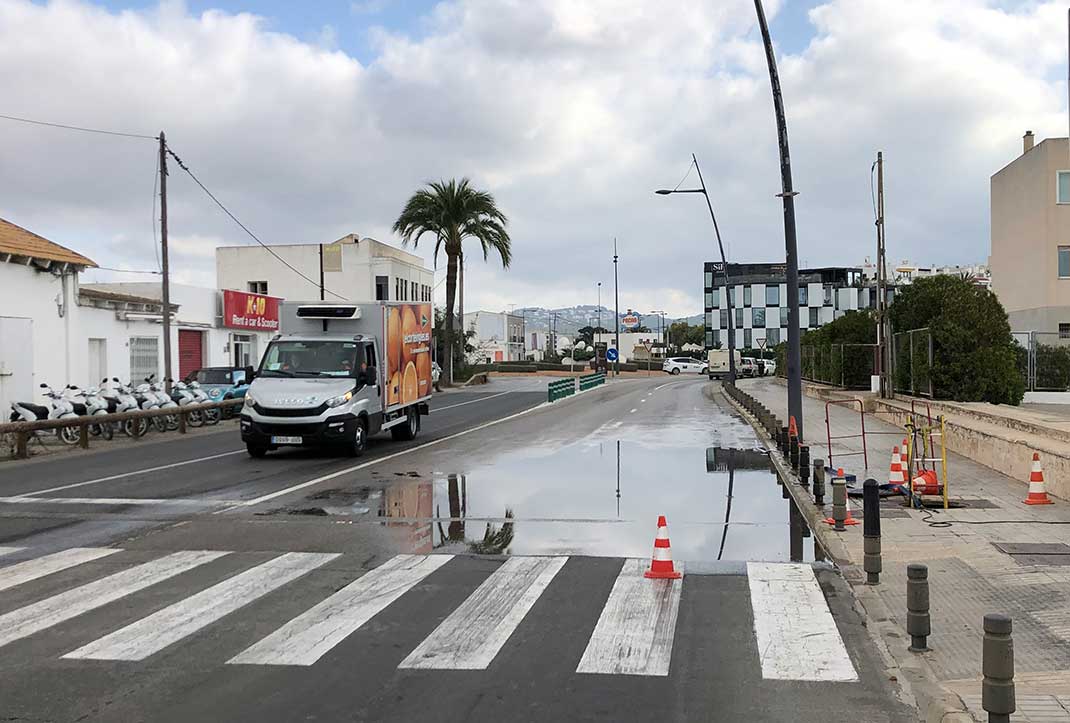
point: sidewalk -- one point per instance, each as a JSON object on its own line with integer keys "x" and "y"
{"x": 968, "y": 575}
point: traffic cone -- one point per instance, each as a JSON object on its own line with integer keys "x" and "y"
{"x": 661, "y": 564}
{"x": 926, "y": 483}
{"x": 847, "y": 520}
{"x": 895, "y": 471}
{"x": 1037, "y": 494}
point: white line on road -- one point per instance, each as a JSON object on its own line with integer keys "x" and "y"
{"x": 634, "y": 634}
{"x": 28, "y": 620}
{"x": 474, "y": 633}
{"x": 470, "y": 401}
{"x": 633, "y": 411}
{"x": 9, "y": 550}
{"x": 134, "y": 473}
{"x": 152, "y": 634}
{"x": 796, "y": 635}
{"x": 308, "y": 637}
{"x": 166, "y": 501}
{"x": 22, "y": 572}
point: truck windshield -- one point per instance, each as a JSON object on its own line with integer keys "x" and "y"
{"x": 311, "y": 359}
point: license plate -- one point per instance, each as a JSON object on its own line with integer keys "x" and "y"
{"x": 286, "y": 440}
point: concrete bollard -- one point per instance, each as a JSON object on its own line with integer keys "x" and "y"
{"x": 918, "y": 625}
{"x": 839, "y": 503}
{"x": 997, "y": 664}
{"x": 819, "y": 482}
{"x": 871, "y": 530}
{"x": 804, "y": 465}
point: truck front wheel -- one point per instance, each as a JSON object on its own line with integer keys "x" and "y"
{"x": 409, "y": 430}
{"x": 359, "y": 443}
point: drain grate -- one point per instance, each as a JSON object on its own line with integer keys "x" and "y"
{"x": 1032, "y": 548}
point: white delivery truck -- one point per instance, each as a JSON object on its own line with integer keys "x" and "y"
{"x": 718, "y": 363}
{"x": 337, "y": 373}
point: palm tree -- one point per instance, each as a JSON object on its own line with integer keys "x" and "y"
{"x": 452, "y": 211}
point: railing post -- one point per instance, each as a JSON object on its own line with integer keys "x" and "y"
{"x": 804, "y": 465}
{"x": 22, "y": 444}
{"x": 83, "y": 435}
{"x": 819, "y": 482}
{"x": 871, "y": 531}
{"x": 181, "y": 421}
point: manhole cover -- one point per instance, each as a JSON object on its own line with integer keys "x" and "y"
{"x": 1062, "y": 560}
{"x": 1033, "y": 548}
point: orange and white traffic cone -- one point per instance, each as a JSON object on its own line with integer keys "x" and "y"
{"x": 661, "y": 567}
{"x": 1038, "y": 495}
{"x": 895, "y": 470}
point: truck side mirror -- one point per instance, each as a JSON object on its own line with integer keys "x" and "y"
{"x": 371, "y": 376}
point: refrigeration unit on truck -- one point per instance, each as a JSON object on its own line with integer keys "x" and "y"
{"x": 339, "y": 373}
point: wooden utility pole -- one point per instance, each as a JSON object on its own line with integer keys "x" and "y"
{"x": 164, "y": 266}
{"x": 883, "y": 341}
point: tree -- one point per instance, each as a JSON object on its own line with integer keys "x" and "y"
{"x": 452, "y": 211}
{"x": 586, "y": 333}
{"x": 974, "y": 355}
{"x": 839, "y": 351}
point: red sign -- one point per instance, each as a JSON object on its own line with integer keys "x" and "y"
{"x": 630, "y": 321}
{"x": 250, "y": 311}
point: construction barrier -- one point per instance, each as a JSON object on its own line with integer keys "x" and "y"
{"x": 591, "y": 381}
{"x": 560, "y": 388}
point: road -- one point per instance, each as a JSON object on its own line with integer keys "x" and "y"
{"x": 495, "y": 573}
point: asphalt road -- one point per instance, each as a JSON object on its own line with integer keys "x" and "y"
{"x": 307, "y": 588}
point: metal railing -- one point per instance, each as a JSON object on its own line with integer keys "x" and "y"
{"x": 1043, "y": 360}
{"x": 848, "y": 366}
{"x": 912, "y": 362}
{"x": 590, "y": 381}
{"x": 560, "y": 388}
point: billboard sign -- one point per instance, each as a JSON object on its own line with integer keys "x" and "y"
{"x": 630, "y": 320}
{"x": 408, "y": 353}
{"x": 254, "y": 312}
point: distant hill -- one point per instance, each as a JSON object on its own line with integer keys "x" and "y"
{"x": 572, "y": 318}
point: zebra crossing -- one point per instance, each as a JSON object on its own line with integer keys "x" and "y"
{"x": 797, "y": 638}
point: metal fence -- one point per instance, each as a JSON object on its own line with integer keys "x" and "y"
{"x": 912, "y": 362}
{"x": 1043, "y": 360}
{"x": 848, "y": 366}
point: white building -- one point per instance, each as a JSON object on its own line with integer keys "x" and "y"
{"x": 633, "y": 344}
{"x": 354, "y": 269}
{"x": 57, "y": 331}
{"x": 499, "y": 336}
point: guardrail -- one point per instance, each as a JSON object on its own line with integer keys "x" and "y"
{"x": 560, "y": 388}
{"x": 591, "y": 381}
{"x": 23, "y": 431}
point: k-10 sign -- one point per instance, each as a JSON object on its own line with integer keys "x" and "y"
{"x": 250, "y": 311}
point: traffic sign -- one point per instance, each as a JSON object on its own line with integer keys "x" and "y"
{"x": 611, "y": 355}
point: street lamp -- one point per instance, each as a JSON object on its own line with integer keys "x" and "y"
{"x": 724, "y": 264}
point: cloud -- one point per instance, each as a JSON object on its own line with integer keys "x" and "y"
{"x": 570, "y": 113}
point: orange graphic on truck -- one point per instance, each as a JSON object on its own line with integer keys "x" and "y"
{"x": 408, "y": 353}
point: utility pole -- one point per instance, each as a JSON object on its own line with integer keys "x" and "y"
{"x": 164, "y": 267}
{"x": 884, "y": 366}
{"x": 616, "y": 303}
{"x": 788, "y": 195}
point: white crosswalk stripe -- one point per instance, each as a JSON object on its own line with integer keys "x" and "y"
{"x": 635, "y": 631}
{"x": 308, "y": 637}
{"x": 796, "y": 635}
{"x": 23, "y": 572}
{"x": 474, "y": 633}
{"x": 38, "y": 616}
{"x": 9, "y": 550}
{"x": 166, "y": 627}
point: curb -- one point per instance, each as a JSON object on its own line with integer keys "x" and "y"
{"x": 914, "y": 676}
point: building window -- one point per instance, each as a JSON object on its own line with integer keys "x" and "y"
{"x": 1064, "y": 331}
{"x": 724, "y": 319}
{"x": 814, "y": 320}
{"x": 709, "y": 279}
{"x": 803, "y": 295}
{"x": 709, "y": 300}
{"x": 746, "y": 338}
{"x": 257, "y": 287}
{"x": 1064, "y": 262}
{"x": 828, "y": 295}
{"x": 382, "y": 288}
{"x": 716, "y": 296}
{"x": 144, "y": 357}
{"x": 739, "y": 318}
{"x": 772, "y": 295}
{"x": 709, "y": 319}
{"x": 772, "y": 337}
{"x": 746, "y": 295}
{"x": 757, "y": 317}
{"x": 783, "y": 316}
{"x": 412, "y": 287}
{"x": 1062, "y": 182}
{"x": 709, "y": 339}
{"x": 714, "y": 338}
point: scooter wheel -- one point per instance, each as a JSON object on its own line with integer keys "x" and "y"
{"x": 172, "y": 422}
{"x": 212, "y": 416}
{"x": 69, "y": 435}
{"x": 195, "y": 418}
{"x": 160, "y": 424}
{"x": 106, "y": 431}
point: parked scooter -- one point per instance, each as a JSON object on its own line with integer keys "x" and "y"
{"x": 147, "y": 399}
{"x": 163, "y": 401}
{"x": 90, "y": 402}
{"x": 121, "y": 399}
{"x": 59, "y": 408}
{"x": 211, "y": 416}
{"x": 183, "y": 396}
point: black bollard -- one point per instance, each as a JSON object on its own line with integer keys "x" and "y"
{"x": 871, "y": 531}
{"x": 784, "y": 441}
{"x": 804, "y": 465}
{"x": 793, "y": 451}
{"x": 918, "y": 625}
{"x": 997, "y": 664}
{"x": 839, "y": 503}
{"x": 819, "y": 482}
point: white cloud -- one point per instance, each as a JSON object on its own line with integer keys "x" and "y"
{"x": 571, "y": 113}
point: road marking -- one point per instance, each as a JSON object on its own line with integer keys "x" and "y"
{"x": 9, "y": 550}
{"x": 634, "y": 633}
{"x": 141, "y": 639}
{"x": 380, "y": 460}
{"x": 30, "y": 619}
{"x": 134, "y": 473}
{"x": 633, "y": 411}
{"x": 170, "y": 501}
{"x": 471, "y": 401}
{"x": 796, "y": 635}
{"x": 474, "y": 633}
{"x": 308, "y": 637}
{"x": 22, "y": 572}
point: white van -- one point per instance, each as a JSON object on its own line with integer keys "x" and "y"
{"x": 718, "y": 363}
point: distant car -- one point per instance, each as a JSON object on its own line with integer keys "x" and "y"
{"x": 221, "y": 383}
{"x": 768, "y": 367}
{"x": 748, "y": 367}
{"x": 682, "y": 364}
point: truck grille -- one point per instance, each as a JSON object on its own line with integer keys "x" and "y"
{"x": 289, "y": 411}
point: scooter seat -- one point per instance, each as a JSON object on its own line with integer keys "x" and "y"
{"x": 79, "y": 409}
{"x": 39, "y": 411}
{"x": 112, "y": 406}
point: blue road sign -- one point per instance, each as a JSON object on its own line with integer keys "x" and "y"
{"x": 611, "y": 355}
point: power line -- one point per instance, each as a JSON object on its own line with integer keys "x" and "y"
{"x": 253, "y": 236}
{"x": 127, "y": 271}
{"x": 78, "y": 128}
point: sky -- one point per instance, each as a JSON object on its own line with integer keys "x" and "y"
{"x": 310, "y": 121}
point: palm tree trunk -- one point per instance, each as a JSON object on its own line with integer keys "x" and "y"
{"x": 448, "y": 327}
{"x": 460, "y": 297}
{"x": 456, "y": 526}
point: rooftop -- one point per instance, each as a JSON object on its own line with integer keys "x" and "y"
{"x": 17, "y": 241}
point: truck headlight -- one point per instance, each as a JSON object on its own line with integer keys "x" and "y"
{"x": 339, "y": 400}
{"x": 249, "y": 401}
